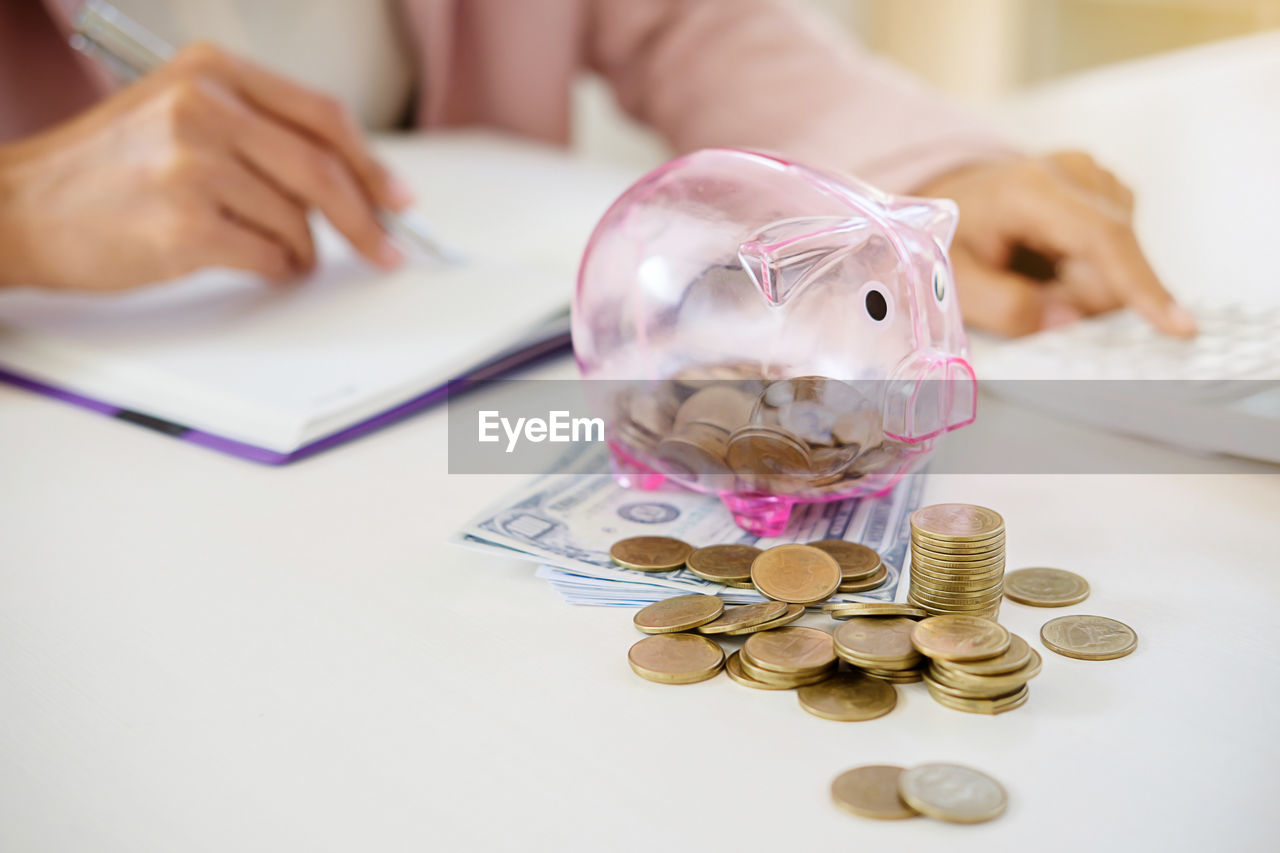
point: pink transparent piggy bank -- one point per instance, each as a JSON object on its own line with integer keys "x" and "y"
{"x": 770, "y": 333}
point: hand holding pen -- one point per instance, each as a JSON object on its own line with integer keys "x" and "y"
{"x": 209, "y": 160}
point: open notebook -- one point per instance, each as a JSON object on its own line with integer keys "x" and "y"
{"x": 275, "y": 373}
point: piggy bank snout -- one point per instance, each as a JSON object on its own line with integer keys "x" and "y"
{"x": 933, "y": 393}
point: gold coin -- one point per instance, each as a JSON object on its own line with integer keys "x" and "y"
{"x": 845, "y": 610}
{"x": 764, "y": 451}
{"x": 794, "y": 612}
{"x": 955, "y": 584}
{"x": 1088, "y": 637}
{"x": 980, "y": 706}
{"x": 697, "y": 454}
{"x": 872, "y": 582}
{"x": 952, "y": 567}
{"x": 650, "y": 553}
{"x": 907, "y": 676}
{"x": 962, "y": 583}
{"x": 1045, "y": 587}
{"x": 957, "y": 522}
{"x": 675, "y": 658}
{"x": 961, "y": 680}
{"x": 876, "y": 638}
{"x": 985, "y": 613}
{"x": 958, "y": 600}
{"x": 723, "y": 563}
{"x": 871, "y": 791}
{"x": 740, "y": 584}
{"x": 959, "y": 607}
{"x": 958, "y": 553}
{"x": 785, "y": 680}
{"x": 960, "y": 637}
{"x": 958, "y": 550}
{"x": 678, "y": 614}
{"x": 733, "y": 668}
{"x": 1018, "y": 655}
{"x": 744, "y": 616}
{"x": 722, "y": 406}
{"x": 954, "y": 597}
{"x": 791, "y": 650}
{"x": 985, "y": 583}
{"x": 857, "y": 562}
{"x": 797, "y": 574}
{"x": 952, "y": 792}
{"x": 938, "y": 685}
{"x": 849, "y": 697}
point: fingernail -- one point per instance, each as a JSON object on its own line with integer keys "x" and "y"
{"x": 398, "y": 193}
{"x": 1181, "y": 321}
{"x": 1059, "y": 314}
{"x": 389, "y": 254}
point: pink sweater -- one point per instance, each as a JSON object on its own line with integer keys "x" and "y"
{"x": 742, "y": 73}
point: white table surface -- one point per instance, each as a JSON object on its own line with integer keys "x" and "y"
{"x": 198, "y": 653}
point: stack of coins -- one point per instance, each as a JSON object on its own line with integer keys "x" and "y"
{"x": 881, "y": 647}
{"x": 976, "y": 665}
{"x": 957, "y": 560}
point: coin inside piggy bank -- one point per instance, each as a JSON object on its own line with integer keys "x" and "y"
{"x": 771, "y": 333}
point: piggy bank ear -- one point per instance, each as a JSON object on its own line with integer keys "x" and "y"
{"x": 786, "y": 255}
{"x": 936, "y": 216}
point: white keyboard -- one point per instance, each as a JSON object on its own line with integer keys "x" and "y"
{"x": 1230, "y": 405}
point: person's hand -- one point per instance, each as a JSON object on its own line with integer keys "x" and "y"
{"x": 1071, "y": 213}
{"x": 208, "y": 161}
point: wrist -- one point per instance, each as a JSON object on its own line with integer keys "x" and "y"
{"x": 15, "y": 248}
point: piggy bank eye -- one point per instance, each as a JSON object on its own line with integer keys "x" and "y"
{"x": 877, "y": 304}
{"x": 939, "y": 284}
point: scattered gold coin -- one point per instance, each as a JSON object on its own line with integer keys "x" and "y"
{"x": 849, "y": 609}
{"x": 733, "y": 668}
{"x": 1045, "y": 587}
{"x": 675, "y": 658}
{"x": 679, "y": 613}
{"x": 982, "y": 705}
{"x": 876, "y": 579}
{"x": 650, "y": 553}
{"x": 960, "y": 637}
{"x": 882, "y": 643}
{"x": 1088, "y": 637}
{"x": 952, "y": 792}
{"x": 797, "y": 574}
{"x": 849, "y": 697}
{"x": 744, "y": 616}
{"x": 1017, "y": 656}
{"x": 985, "y": 686}
{"x": 781, "y": 680}
{"x": 871, "y": 791}
{"x": 724, "y": 563}
{"x": 791, "y": 650}
{"x": 794, "y": 612}
{"x": 857, "y": 562}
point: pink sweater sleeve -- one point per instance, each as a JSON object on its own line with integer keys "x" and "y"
{"x": 764, "y": 74}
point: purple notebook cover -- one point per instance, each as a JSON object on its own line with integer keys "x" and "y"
{"x": 502, "y": 364}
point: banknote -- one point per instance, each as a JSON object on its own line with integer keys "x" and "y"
{"x": 567, "y": 519}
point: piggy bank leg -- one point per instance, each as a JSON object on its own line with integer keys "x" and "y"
{"x": 630, "y": 474}
{"x": 763, "y": 515}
